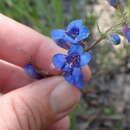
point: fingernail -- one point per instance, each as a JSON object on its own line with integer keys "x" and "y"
{"x": 64, "y": 97}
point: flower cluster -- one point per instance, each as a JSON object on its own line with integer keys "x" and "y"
{"x": 78, "y": 55}
{"x": 72, "y": 39}
{"x": 71, "y": 64}
{"x": 74, "y": 34}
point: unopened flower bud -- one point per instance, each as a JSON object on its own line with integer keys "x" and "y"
{"x": 114, "y": 3}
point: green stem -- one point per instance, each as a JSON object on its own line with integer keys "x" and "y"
{"x": 94, "y": 44}
{"x": 103, "y": 36}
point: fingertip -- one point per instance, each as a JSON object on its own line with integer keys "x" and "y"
{"x": 46, "y": 51}
{"x": 53, "y": 70}
{"x": 23, "y": 43}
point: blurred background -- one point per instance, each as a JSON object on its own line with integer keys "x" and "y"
{"x": 105, "y": 104}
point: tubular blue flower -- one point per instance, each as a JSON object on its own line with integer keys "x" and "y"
{"x": 74, "y": 33}
{"x": 71, "y": 64}
{"x": 59, "y": 37}
{"x": 114, "y": 3}
{"x": 126, "y": 32}
{"x": 115, "y": 39}
{"x": 31, "y": 71}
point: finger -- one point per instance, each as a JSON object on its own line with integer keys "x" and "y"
{"x": 61, "y": 125}
{"x": 22, "y": 42}
{"x": 18, "y": 43}
{"x": 38, "y": 105}
{"x": 12, "y": 77}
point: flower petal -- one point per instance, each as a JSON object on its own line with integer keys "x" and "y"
{"x": 75, "y": 23}
{"x": 78, "y": 77}
{"x": 128, "y": 36}
{"x": 75, "y": 49}
{"x": 59, "y": 60}
{"x": 69, "y": 39}
{"x": 84, "y": 33}
{"x": 85, "y": 58}
{"x": 31, "y": 71}
{"x": 62, "y": 43}
{"x": 69, "y": 78}
{"x": 57, "y": 34}
{"x": 125, "y": 29}
{"x": 67, "y": 68}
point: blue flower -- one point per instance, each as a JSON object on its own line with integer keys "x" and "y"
{"x": 71, "y": 64}
{"x": 115, "y": 39}
{"x": 114, "y": 3}
{"x": 128, "y": 35}
{"x": 74, "y": 33}
{"x": 31, "y": 71}
{"x": 126, "y": 32}
{"x": 58, "y": 36}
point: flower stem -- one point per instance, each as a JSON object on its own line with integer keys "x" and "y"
{"x": 103, "y": 36}
{"x": 94, "y": 44}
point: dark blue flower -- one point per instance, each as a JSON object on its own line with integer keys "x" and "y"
{"x": 114, "y": 3}
{"x": 71, "y": 64}
{"x": 31, "y": 71}
{"x": 115, "y": 39}
{"x": 126, "y": 32}
{"x": 74, "y": 33}
{"x": 58, "y": 36}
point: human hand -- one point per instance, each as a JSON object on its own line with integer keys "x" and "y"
{"x": 29, "y": 104}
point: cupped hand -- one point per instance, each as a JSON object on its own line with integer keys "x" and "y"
{"x": 27, "y": 103}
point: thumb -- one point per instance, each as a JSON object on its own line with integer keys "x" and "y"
{"x": 38, "y": 105}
